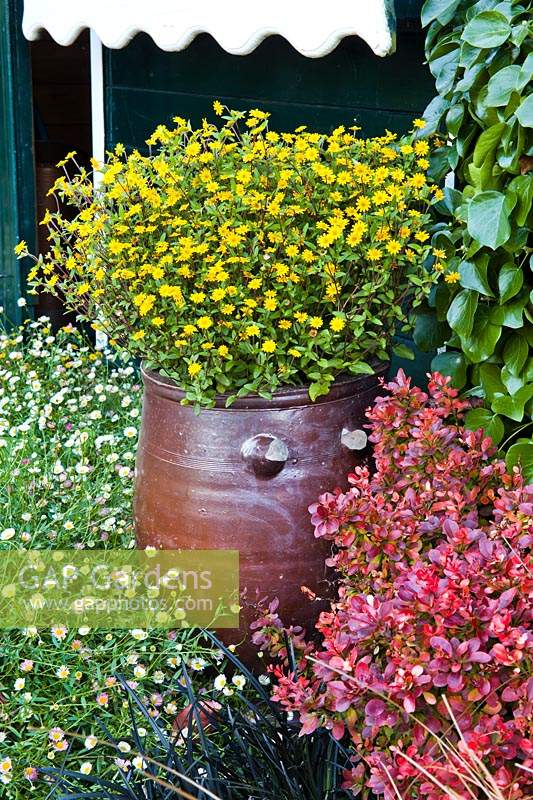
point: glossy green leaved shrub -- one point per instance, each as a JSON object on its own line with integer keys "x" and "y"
{"x": 481, "y": 55}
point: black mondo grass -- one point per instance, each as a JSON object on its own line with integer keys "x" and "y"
{"x": 219, "y": 751}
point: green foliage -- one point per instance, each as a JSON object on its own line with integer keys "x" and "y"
{"x": 481, "y": 55}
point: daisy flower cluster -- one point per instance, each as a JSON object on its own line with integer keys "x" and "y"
{"x": 69, "y": 418}
{"x": 56, "y": 682}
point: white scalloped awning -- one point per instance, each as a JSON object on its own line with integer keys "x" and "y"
{"x": 313, "y": 27}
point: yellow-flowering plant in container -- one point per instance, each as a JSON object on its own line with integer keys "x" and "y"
{"x": 260, "y": 276}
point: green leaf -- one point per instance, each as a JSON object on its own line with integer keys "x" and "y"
{"x": 442, "y": 240}
{"x": 488, "y": 219}
{"x": 491, "y": 382}
{"x": 503, "y": 84}
{"x": 521, "y": 455}
{"x": 361, "y": 368}
{"x": 510, "y": 280}
{"x": 451, "y": 363}
{"x": 512, "y": 382}
{"x": 403, "y": 351}
{"x": 509, "y": 407}
{"x": 487, "y": 142}
{"x": 461, "y": 312}
{"x": 487, "y": 29}
{"x": 515, "y": 353}
{"x": 480, "y": 344}
{"x": 511, "y": 314}
{"x": 439, "y": 164}
{"x": 433, "y": 115}
{"x": 522, "y": 186}
{"x": 443, "y": 10}
{"x": 318, "y": 389}
{"x": 454, "y": 119}
{"x": 453, "y": 199}
{"x": 524, "y": 112}
{"x": 474, "y": 275}
{"x": 526, "y": 73}
{"x": 528, "y": 371}
{"x": 513, "y": 407}
{"x": 483, "y": 418}
{"x": 518, "y": 34}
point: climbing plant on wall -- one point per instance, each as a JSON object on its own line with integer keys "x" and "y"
{"x": 481, "y": 56}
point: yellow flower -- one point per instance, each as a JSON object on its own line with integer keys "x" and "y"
{"x": 418, "y": 180}
{"x": 207, "y": 346}
{"x": 223, "y": 350}
{"x": 380, "y": 197}
{"x": 422, "y": 236}
{"x": 174, "y": 292}
{"x": 291, "y": 250}
{"x": 189, "y": 329}
{"x": 301, "y": 316}
{"x": 146, "y": 304}
{"x": 284, "y": 324}
{"x": 204, "y": 323}
{"x": 270, "y": 304}
{"x": 374, "y": 254}
{"x": 294, "y": 353}
{"x": 337, "y": 324}
{"x": 251, "y": 330}
{"x": 194, "y": 368}
{"x": 421, "y": 148}
{"x": 452, "y": 277}
{"x": 21, "y": 248}
{"x": 269, "y": 346}
{"x": 158, "y": 321}
{"x": 419, "y": 123}
{"x": 197, "y": 297}
{"x": 218, "y": 108}
{"x": 393, "y": 247}
{"x": 138, "y": 335}
{"x": 316, "y": 322}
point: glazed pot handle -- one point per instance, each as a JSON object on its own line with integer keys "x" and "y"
{"x": 354, "y": 440}
{"x": 264, "y": 454}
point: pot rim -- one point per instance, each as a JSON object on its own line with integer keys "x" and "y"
{"x": 291, "y": 396}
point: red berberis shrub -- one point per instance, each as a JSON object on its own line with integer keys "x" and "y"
{"x": 433, "y": 553}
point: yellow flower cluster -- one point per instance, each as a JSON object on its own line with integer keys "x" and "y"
{"x": 236, "y": 258}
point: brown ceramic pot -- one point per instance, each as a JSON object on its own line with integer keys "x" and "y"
{"x": 243, "y": 478}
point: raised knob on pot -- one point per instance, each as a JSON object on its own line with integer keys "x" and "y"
{"x": 264, "y": 454}
{"x": 354, "y": 440}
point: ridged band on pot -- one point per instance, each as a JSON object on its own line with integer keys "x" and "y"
{"x": 243, "y": 478}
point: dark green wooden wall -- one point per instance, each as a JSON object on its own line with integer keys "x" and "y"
{"x": 146, "y": 86}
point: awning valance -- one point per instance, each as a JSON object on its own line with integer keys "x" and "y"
{"x": 313, "y": 27}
